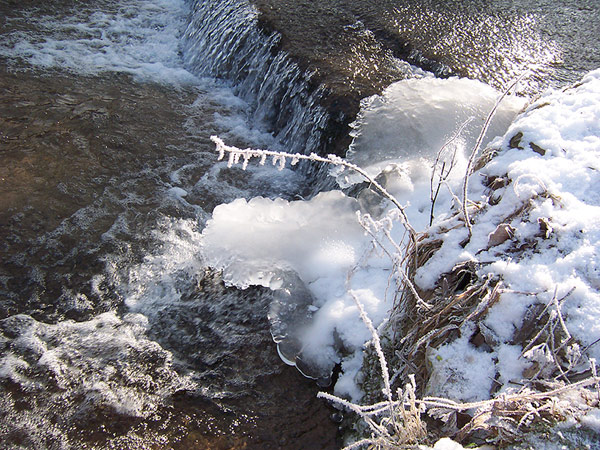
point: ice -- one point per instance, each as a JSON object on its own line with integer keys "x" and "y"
{"x": 550, "y": 154}
{"x": 302, "y": 250}
{"x": 315, "y": 255}
{"x": 412, "y": 119}
{"x": 399, "y": 133}
{"x": 252, "y": 241}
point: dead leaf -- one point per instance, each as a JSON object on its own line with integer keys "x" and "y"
{"x": 502, "y": 233}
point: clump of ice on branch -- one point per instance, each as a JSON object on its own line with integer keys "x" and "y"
{"x": 267, "y": 242}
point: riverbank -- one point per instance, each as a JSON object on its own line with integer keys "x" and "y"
{"x": 497, "y": 322}
{"x": 491, "y": 326}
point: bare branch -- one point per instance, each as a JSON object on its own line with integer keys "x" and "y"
{"x": 475, "y": 150}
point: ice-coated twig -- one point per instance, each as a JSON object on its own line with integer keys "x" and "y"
{"x": 375, "y": 427}
{"x": 595, "y": 375}
{"x": 518, "y": 181}
{"x": 443, "y": 173}
{"x": 371, "y": 227}
{"x": 279, "y": 158}
{"x": 377, "y": 344}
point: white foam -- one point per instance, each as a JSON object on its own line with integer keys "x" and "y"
{"x": 107, "y": 360}
{"x": 138, "y": 37}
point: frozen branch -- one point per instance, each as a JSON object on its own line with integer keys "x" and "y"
{"x": 475, "y": 150}
{"x": 280, "y": 158}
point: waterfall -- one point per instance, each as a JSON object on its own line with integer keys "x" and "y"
{"x": 224, "y": 40}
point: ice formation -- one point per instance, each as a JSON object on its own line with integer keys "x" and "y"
{"x": 316, "y": 256}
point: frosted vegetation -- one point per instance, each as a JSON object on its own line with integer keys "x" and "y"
{"x": 489, "y": 329}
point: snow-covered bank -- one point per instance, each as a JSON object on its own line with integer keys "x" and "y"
{"x": 536, "y": 228}
{"x": 516, "y": 302}
{"x": 323, "y": 241}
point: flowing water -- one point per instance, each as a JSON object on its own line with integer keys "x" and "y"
{"x": 113, "y": 332}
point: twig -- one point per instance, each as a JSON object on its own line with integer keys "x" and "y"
{"x": 279, "y": 158}
{"x": 475, "y": 150}
{"x": 443, "y": 176}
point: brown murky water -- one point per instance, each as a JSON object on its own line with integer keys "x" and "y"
{"x": 85, "y": 168}
{"x": 83, "y": 162}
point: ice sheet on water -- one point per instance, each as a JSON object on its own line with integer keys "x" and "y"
{"x": 414, "y": 118}
{"x": 253, "y": 241}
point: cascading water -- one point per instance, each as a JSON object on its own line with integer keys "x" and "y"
{"x": 223, "y": 40}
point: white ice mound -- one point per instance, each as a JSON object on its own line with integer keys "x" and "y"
{"x": 303, "y": 251}
{"x": 253, "y": 241}
{"x": 413, "y": 119}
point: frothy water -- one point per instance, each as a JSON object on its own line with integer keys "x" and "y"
{"x": 140, "y": 38}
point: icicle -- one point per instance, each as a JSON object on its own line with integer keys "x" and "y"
{"x": 220, "y": 146}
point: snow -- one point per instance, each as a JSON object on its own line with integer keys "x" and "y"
{"x": 453, "y": 375}
{"x": 561, "y": 188}
{"x": 592, "y": 420}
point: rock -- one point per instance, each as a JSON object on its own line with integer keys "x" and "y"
{"x": 536, "y": 148}
{"x": 516, "y": 140}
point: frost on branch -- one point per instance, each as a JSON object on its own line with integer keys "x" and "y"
{"x": 279, "y": 159}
